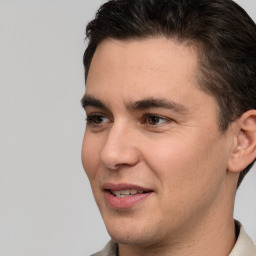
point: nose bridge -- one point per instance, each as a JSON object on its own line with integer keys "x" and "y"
{"x": 120, "y": 146}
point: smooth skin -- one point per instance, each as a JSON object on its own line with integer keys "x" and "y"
{"x": 176, "y": 149}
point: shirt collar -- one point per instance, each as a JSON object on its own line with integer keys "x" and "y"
{"x": 244, "y": 245}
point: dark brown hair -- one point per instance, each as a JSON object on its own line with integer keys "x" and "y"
{"x": 221, "y": 31}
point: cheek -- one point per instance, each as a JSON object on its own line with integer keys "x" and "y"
{"x": 188, "y": 163}
{"x": 190, "y": 176}
{"x": 90, "y": 156}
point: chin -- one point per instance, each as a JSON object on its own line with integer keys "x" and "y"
{"x": 131, "y": 231}
{"x": 129, "y": 237}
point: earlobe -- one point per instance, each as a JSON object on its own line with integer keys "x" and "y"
{"x": 244, "y": 150}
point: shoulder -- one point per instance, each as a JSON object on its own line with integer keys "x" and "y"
{"x": 244, "y": 245}
{"x": 109, "y": 250}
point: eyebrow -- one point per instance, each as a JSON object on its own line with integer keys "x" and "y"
{"x": 157, "y": 103}
{"x": 90, "y": 101}
{"x": 147, "y": 103}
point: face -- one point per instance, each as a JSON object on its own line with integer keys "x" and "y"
{"x": 152, "y": 149}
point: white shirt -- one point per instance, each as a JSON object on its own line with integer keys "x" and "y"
{"x": 244, "y": 245}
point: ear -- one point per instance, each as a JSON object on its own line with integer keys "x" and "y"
{"x": 244, "y": 149}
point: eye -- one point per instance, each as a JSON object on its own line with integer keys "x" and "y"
{"x": 96, "y": 119}
{"x": 154, "y": 119}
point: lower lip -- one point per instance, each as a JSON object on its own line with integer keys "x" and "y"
{"x": 124, "y": 202}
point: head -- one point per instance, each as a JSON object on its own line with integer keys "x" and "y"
{"x": 221, "y": 31}
{"x": 211, "y": 44}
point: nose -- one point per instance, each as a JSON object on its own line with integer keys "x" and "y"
{"x": 120, "y": 148}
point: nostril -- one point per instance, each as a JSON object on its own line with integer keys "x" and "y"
{"x": 121, "y": 165}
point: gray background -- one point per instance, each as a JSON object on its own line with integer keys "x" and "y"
{"x": 46, "y": 205}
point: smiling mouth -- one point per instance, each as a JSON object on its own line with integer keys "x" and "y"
{"x": 126, "y": 192}
{"x": 124, "y": 196}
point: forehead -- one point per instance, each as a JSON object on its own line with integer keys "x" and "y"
{"x": 136, "y": 62}
{"x": 145, "y": 55}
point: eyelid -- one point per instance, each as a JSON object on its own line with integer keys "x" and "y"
{"x": 166, "y": 119}
{"x": 103, "y": 119}
{"x": 91, "y": 110}
{"x": 90, "y": 119}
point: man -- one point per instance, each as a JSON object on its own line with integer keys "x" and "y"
{"x": 171, "y": 124}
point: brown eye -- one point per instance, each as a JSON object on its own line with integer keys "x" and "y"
{"x": 154, "y": 120}
{"x": 96, "y": 119}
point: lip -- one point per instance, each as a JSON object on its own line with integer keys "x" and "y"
{"x": 123, "y": 186}
{"x": 124, "y": 202}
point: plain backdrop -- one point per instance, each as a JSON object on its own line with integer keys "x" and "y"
{"x": 46, "y": 205}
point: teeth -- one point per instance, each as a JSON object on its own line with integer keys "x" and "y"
{"x": 126, "y": 192}
{"x": 117, "y": 193}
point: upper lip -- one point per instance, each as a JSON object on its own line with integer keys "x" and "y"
{"x": 124, "y": 186}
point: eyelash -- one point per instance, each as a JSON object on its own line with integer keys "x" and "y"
{"x": 92, "y": 120}
{"x": 154, "y": 116}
